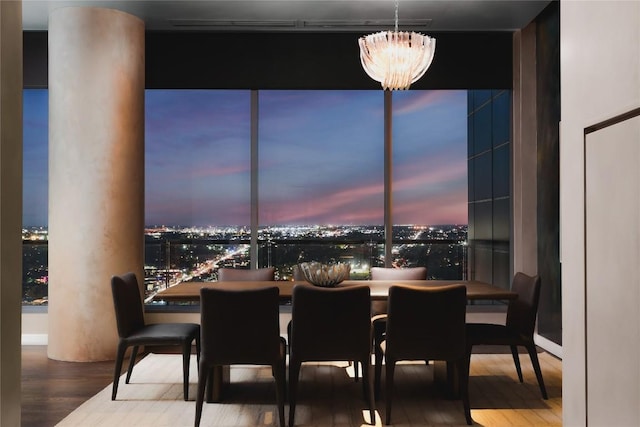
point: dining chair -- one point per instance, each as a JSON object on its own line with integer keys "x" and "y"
{"x": 134, "y": 332}
{"x": 297, "y": 274}
{"x": 241, "y": 327}
{"x": 330, "y": 324}
{"x": 518, "y": 329}
{"x": 424, "y": 324}
{"x": 379, "y": 308}
{"x": 246, "y": 274}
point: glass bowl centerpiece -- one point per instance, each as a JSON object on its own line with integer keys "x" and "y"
{"x": 325, "y": 275}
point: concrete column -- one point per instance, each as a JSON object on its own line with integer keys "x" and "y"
{"x": 96, "y": 174}
{"x": 10, "y": 209}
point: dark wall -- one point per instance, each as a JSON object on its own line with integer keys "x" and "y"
{"x": 548, "y": 113}
{"x": 294, "y": 61}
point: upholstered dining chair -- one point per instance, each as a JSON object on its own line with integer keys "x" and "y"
{"x": 241, "y": 327}
{"x": 519, "y": 327}
{"x": 297, "y": 274}
{"x": 330, "y": 324}
{"x": 244, "y": 274}
{"x": 425, "y": 324}
{"x": 379, "y": 308}
{"x": 134, "y": 332}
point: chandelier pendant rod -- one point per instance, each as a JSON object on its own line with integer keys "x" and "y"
{"x": 396, "y": 22}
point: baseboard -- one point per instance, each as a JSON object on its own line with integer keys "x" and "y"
{"x": 35, "y": 339}
{"x": 548, "y": 345}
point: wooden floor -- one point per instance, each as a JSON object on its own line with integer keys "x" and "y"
{"x": 51, "y": 390}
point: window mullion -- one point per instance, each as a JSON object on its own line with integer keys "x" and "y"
{"x": 253, "y": 248}
{"x": 388, "y": 175}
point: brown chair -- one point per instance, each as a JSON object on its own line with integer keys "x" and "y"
{"x": 241, "y": 327}
{"x": 330, "y": 324}
{"x": 133, "y": 331}
{"x": 243, "y": 274}
{"x": 425, "y": 324}
{"x": 383, "y": 273}
{"x": 519, "y": 327}
{"x": 379, "y": 308}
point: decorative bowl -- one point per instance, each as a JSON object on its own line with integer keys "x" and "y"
{"x": 325, "y": 275}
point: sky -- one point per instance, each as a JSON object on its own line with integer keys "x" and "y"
{"x": 320, "y": 157}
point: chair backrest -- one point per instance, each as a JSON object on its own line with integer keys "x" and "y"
{"x": 240, "y": 326}
{"x": 128, "y": 304}
{"x": 298, "y": 275}
{"x": 426, "y": 323}
{"x": 411, "y": 273}
{"x": 330, "y": 323}
{"x": 243, "y": 274}
{"x": 522, "y": 311}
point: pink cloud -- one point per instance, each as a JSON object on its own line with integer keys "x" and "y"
{"x": 422, "y": 100}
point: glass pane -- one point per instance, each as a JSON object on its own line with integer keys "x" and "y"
{"x": 35, "y": 196}
{"x": 321, "y": 173}
{"x": 197, "y": 182}
{"x": 35, "y": 157}
{"x": 429, "y": 182}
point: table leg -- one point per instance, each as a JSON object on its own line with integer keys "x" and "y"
{"x": 217, "y": 382}
{"x": 445, "y": 376}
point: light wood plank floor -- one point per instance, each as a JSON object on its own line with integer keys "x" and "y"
{"x": 327, "y": 395}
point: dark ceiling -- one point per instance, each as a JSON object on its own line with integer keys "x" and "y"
{"x": 307, "y": 15}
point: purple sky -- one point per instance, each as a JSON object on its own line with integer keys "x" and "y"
{"x": 320, "y": 157}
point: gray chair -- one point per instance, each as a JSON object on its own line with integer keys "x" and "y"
{"x": 519, "y": 327}
{"x": 241, "y": 327}
{"x": 425, "y": 324}
{"x": 330, "y": 324}
{"x": 134, "y": 332}
{"x": 244, "y": 274}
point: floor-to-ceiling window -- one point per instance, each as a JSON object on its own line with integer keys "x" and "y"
{"x": 197, "y": 182}
{"x": 320, "y": 174}
{"x": 429, "y": 182}
{"x": 35, "y": 196}
{"x": 489, "y": 126}
{"x": 321, "y": 188}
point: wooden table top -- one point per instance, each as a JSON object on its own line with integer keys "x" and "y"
{"x": 190, "y": 291}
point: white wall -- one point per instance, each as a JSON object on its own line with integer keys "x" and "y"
{"x": 600, "y": 78}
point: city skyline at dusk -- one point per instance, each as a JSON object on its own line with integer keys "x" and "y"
{"x": 320, "y": 157}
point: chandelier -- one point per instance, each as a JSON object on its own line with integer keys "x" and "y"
{"x": 396, "y": 59}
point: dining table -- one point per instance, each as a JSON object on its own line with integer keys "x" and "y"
{"x": 476, "y": 290}
{"x": 443, "y": 372}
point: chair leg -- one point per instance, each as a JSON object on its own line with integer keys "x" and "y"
{"x": 379, "y": 332}
{"x": 203, "y": 375}
{"x": 279, "y": 374}
{"x": 186, "y": 355}
{"x": 368, "y": 390}
{"x": 132, "y": 361}
{"x": 378, "y": 371}
{"x": 122, "y": 347}
{"x": 463, "y": 385}
{"x": 516, "y": 360}
{"x": 355, "y": 370}
{"x": 198, "y": 348}
{"x": 294, "y": 372}
{"x": 389, "y": 370}
{"x": 536, "y": 368}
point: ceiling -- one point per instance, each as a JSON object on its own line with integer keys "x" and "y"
{"x": 307, "y": 15}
